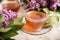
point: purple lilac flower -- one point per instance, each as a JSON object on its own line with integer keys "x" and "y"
{"x": 6, "y": 18}
{"x": 32, "y": 5}
{"x": 1, "y": 12}
{"x": 7, "y": 15}
{"x": 5, "y": 24}
{"x": 44, "y": 3}
{"x": 10, "y": 13}
{"x": 53, "y": 4}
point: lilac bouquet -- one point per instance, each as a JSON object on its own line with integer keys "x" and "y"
{"x": 9, "y": 24}
{"x": 35, "y": 4}
{"x": 7, "y": 15}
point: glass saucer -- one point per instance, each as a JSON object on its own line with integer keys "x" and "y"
{"x": 41, "y": 32}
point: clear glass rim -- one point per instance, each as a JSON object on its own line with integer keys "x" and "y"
{"x": 11, "y": 1}
{"x": 31, "y": 20}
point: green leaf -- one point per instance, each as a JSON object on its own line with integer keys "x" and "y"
{"x": 52, "y": 18}
{"x": 18, "y": 21}
{"x": 59, "y": 17}
{"x": 10, "y": 23}
{"x": 1, "y": 19}
{"x": 1, "y": 38}
{"x": 58, "y": 9}
{"x": 39, "y": 9}
{"x": 9, "y": 39}
{"x": 47, "y": 25}
{"x": 17, "y": 27}
{"x": 46, "y": 10}
{"x": 28, "y": 1}
{"x": 5, "y": 30}
{"x": 17, "y": 24}
{"x": 9, "y": 34}
{"x": 59, "y": 3}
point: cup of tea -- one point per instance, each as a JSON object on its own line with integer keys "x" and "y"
{"x": 34, "y": 21}
{"x": 13, "y": 5}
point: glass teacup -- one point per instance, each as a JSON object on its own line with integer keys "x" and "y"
{"x": 34, "y": 22}
{"x": 13, "y": 5}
